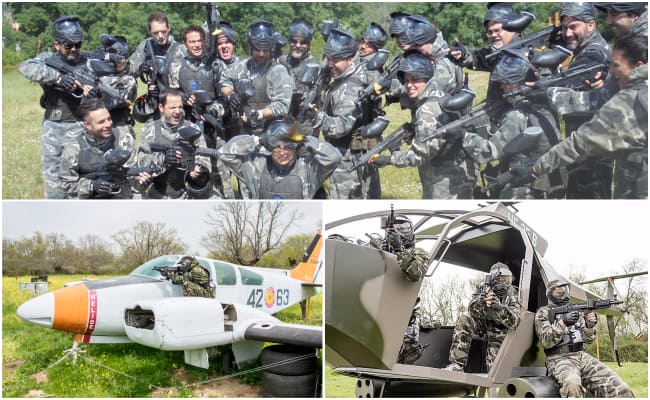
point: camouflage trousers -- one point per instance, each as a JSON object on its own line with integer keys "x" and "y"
{"x": 191, "y": 289}
{"x": 221, "y": 178}
{"x": 346, "y": 185}
{"x": 468, "y": 328}
{"x": 579, "y": 371}
{"x": 445, "y": 182}
{"x": 53, "y": 137}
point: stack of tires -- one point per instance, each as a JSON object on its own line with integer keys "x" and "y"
{"x": 290, "y": 371}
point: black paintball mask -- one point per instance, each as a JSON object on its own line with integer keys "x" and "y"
{"x": 558, "y": 292}
{"x": 501, "y": 279}
{"x": 398, "y": 235}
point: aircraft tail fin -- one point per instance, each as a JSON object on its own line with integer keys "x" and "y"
{"x": 306, "y": 268}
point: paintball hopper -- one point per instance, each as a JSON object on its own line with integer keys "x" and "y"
{"x": 203, "y": 98}
{"x": 523, "y": 142}
{"x": 551, "y": 58}
{"x": 378, "y": 60}
{"x": 245, "y": 88}
{"x": 520, "y": 23}
{"x": 117, "y": 157}
{"x": 309, "y": 74}
{"x": 375, "y": 128}
{"x": 189, "y": 133}
{"x": 101, "y": 68}
{"x": 200, "y": 188}
{"x": 327, "y": 27}
{"x": 459, "y": 101}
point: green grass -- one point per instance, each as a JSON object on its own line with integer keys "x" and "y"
{"x": 28, "y": 350}
{"x": 635, "y": 374}
{"x": 21, "y": 133}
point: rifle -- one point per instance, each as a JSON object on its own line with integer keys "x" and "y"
{"x": 477, "y": 117}
{"x": 587, "y": 307}
{"x": 487, "y": 285}
{"x": 392, "y": 142}
{"x": 88, "y": 75}
{"x": 384, "y": 79}
{"x": 212, "y": 20}
{"x": 246, "y": 90}
{"x": 186, "y": 144}
{"x": 571, "y": 78}
{"x": 315, "y": 79}
{"x": 536, "y": 39}
{"x": 200, "y": 113}
{"x": 167, "y": 272}
{"x": 115, "y": 172}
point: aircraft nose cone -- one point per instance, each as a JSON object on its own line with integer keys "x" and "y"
{"x": 38, "y": 311}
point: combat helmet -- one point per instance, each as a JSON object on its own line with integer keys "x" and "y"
{"x": 340, "y": 44}
{"x": 416, "y": 64}
{"x": 301, "y": 28}
{"x": 501, "y": 276}
{"x": 375, "y": 35}
{"x": 260, "y": 35}
{"x": 67, "y": 29}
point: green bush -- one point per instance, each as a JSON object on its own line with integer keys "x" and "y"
{"x": 629, "y": 349}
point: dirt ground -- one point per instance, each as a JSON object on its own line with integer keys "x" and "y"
{"x": 230, "y": 387}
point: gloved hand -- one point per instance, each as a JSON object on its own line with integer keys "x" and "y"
{"x": 170, "y": 157}
{"x": 153, "y": 91}
{"x": 234, "y": 100}
{"x": 458, "y": 46}
{"x": 381, "y": 87}
{"x": 523, "y": 175}
{"x": 264, "y": 141}
{"x": 453, "y": 134}
{"x": 146, "y": 67}
{"x": 256, "y": 118}
{"x": 101, "y": 187}
{"x": 570, "y": 318}
{"x": 381, "y": 161}
{"x": 588, "y": 322}
{"x": 66, "y": 81}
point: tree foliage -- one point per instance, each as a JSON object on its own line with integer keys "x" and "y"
{"x": 242, "y": 232}
{"x": 288, "y": 254}
{"x": 147, "y": 240}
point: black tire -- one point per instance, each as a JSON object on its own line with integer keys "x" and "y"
{"x": 274, "y": 385}
{"x": 301, "y": 365}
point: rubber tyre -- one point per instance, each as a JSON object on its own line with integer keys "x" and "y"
{"x": 277, "y": 353}
{"x": 274, "y": 385}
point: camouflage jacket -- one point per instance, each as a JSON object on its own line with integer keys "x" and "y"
{"x": 126, "y": 85}
{"x": 447, "y": 74}
{"x": 413, "y": 263}
{"x": 196, "y": 282}
{"x": 641, "y": 25}
{"x": 314, "y": 163}
{"x": 279, "y": 83}
{"x": 167, "y": 135}
{"x": 552, "y": 333}
{"x": 504, "y": 314}
{"x": 619, "y": 130}
{"x": 70, "y": 176}
{"x": 174, "y": 51}
{"x": 296, "y": 67}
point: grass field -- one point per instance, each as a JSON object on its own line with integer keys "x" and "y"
{"x": 635, "y": 374}
{"x": 21, "y": 132}
{"x": 117, "y": 370}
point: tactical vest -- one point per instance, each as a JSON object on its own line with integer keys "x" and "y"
{"x": 344, "y": 143}
{"x": 193, "y": 77}
{"x": 164, "y": 51}
{"x": 288, "y": 187}
{"x": 172, "y": 182}
{"x": 60, "y": 106}
{"x": 261, "y": 99}
{"x": 91, "y": 159}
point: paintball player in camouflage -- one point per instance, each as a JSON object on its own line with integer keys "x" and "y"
{"x": 624, "y": 18}
{"x": 301, "y": 33}
{"x": 512, "y": 70}
{"x": 198, "y": 71}
{"x": 60, "y": 99}
{"x": 196, "y": 281}
{"x": 398, "y": 24}
{"x": 493, "y": 311}
{"x": 338, "y": 117}
{"x": 271, "y": 80}
{"x": 179, "y": 180}
{"x": 281, "y": 164}
{"x": 445, "y": 173}
{"x": 575, "y": 370}
{"x": 618, "y": 131}
{"x": 116, "y": 50}
{"x": 85, "y": 155}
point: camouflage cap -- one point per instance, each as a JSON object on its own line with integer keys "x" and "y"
{"x": 582, "y": 11}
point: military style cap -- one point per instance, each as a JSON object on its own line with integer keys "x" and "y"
{"x": 301, "y": 28}
{"x": 375, "y": 35}
{"x": 340, "y": 43}
{"x": 416, "y": 64}
{"x": 583, "y": 11}
{"x": 632, "y": 8}
{"x": 512, "y": 67}
{"x": 260, "y": 35}
{"x": 67, "y": 29}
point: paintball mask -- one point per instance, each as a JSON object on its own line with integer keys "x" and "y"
{"x": 301, "y": 28}
{"x": 67, "y": 29}
{"x": 227, "y": 31}
{"x": 415, "y": 64}
{"x": 419, "y": 31}
{"x": 375, "y": 35}
{"x": 399, "y": 234}
{"x": 398, "y": 23}
{"x": 501, "y": 279}
{"x": 513, "y": 67}
{"x": 558, "y": 292}
{"x": 261, "y": 35}
{"x": 340, "y": 44}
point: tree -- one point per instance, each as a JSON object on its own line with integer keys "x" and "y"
{"x": 147, "y": 240}
{"x": 93, "y": 254}
{"x": 443, "y": 301}
{"x": 242, "y": 232}
{"x": 289, "y": 253}
{"x": 636, "y": 297}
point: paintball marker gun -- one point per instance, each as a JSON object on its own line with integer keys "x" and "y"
{"x": 245, "y": 90}
{"x": 572, "y": 78}
{"x": 327, "y": 27}
{"x": 382, "y": 81}
{"x": 391, "y": 142}
{"x": 315, "y": 78}
{"x": 587, "y": 307}
{"x": 186, "y": 144}
{"x": 478, "y": 117}
{"x": 536, "y": 39}
{"x": 88, "y": 75}
{"x": 200, "y": 112}
{"x": 212, "y": 20}
{"x": 154, "y": 69}
{"x": 115, "y": 172}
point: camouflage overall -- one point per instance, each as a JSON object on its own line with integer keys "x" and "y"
{"x": 196, "y": 282}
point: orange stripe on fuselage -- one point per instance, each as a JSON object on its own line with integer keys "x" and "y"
{"x": 71, "y": 309}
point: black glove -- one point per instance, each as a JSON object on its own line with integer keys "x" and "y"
{"x": 458, "y": 46}
{"x": 235, "y": 100}
{"x": 264, "y": 141}
{"x": 555, "y": 37}
{"x": 454, "y": 134}
{"x": 153, "y": 91}
{"x": 570, "y": 318}
{"x": 146, "y": 67}
{"x": 170, "y": 157}
{"x": 381, "y": 161}
{"x": 590, "y": 324}
{"x": 66, "y": 81}
{"x": 523, "y": 175}
{"x": 101, "y": 187}
{"x": 256, "y": 118}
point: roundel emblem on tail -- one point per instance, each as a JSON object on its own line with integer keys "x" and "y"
{"x": 269, "y": 298}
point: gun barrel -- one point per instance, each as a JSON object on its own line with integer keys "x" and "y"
{"x": 396, "y": 137}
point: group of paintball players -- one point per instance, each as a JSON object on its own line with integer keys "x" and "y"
{"x": 283, "y": 124}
